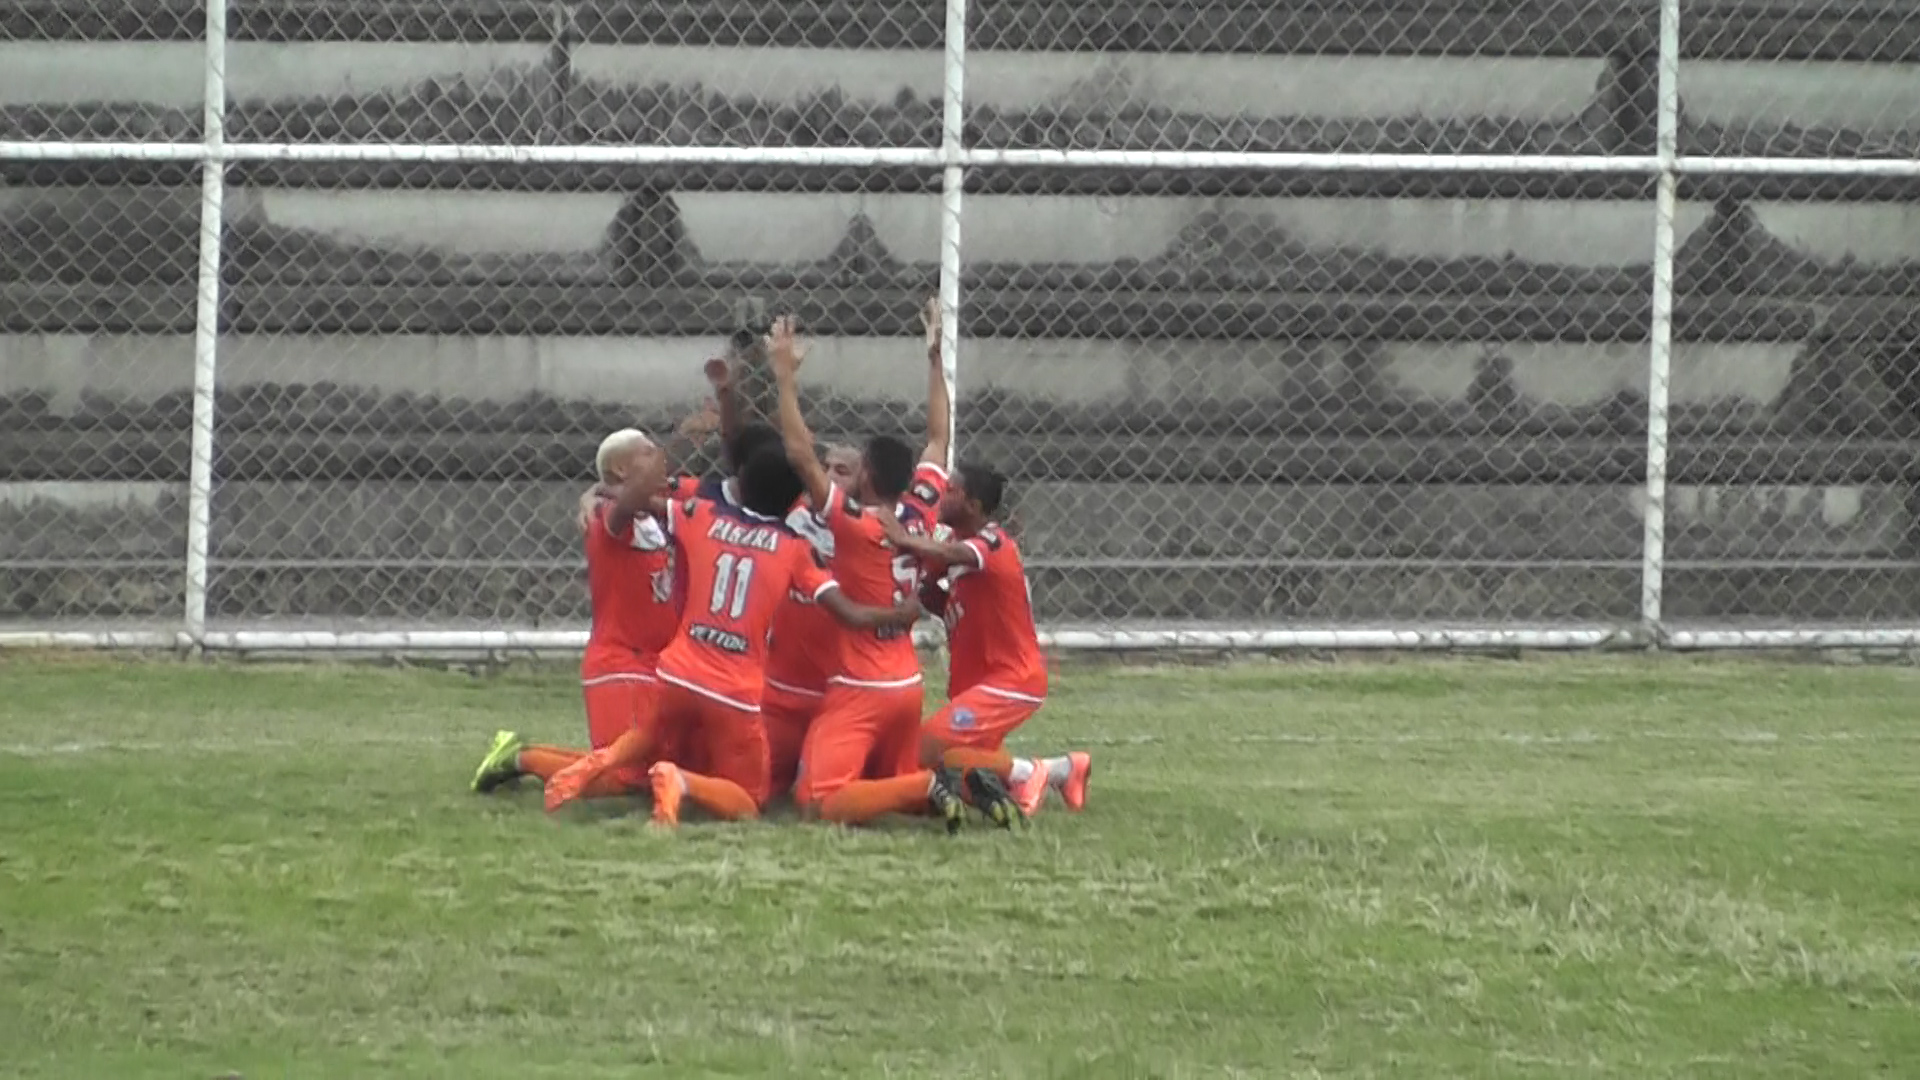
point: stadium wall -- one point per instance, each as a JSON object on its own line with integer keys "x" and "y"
{"x": 1238, "y": 396}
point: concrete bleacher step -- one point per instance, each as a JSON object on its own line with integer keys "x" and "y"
{"x": 1791, "y": 29}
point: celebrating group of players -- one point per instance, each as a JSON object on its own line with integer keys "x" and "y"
{"x": 752, "y": 636}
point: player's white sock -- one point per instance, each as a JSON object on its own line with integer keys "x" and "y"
{"x": 1022, "y": 768}
{"x": 1058, "y": 769}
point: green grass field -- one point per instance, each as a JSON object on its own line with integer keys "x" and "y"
{"x": 1594, "y": 867}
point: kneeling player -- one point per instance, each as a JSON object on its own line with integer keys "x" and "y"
{"x": 860, "y": 754}
{"x": 739, "y": 565}
{"x": 997, "y": 675}
{"x": 630, "y": 582}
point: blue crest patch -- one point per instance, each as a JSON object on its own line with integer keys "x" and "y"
{"x": 962, "y": 719}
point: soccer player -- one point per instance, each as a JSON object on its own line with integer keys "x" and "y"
{"x": 805, "y": 648}
{"x": 800, "y": 655}
{"x": 801, "y": 652}
{"x": 740, "y": 562}
{"x": 997, "y": 674}
{"x": 868, "y": 721}
{"x": 630, "y": 579}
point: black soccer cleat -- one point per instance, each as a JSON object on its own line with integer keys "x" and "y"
{"x": 943, "y": 798}
{"x": 989, "y": 795}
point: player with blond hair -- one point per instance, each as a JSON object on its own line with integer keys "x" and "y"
{"x": 630, "y": 579}
{"x": 740, "y": 564}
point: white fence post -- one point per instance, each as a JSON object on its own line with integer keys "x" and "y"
{"x": 1653, "y": 552}
{"x": 206, "y": 319}
{"x": 953, "y": 181}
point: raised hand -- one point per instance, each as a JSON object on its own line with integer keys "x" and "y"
{"x": 719, "y": 373}
{"x": 783, "y": 347}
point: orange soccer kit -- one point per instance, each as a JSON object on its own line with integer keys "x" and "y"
{"x": 630, "y": 579}
{"x": 997, "y": 678}
{"x": 801, "y": 653}
{"x": 997, "y": 674}
{"x": 804, "y": 651}
{"x": 737, "y": 569}
{"x": 868, "y": 722}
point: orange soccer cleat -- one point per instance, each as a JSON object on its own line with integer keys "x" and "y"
{"x": 669, "y": 787}
{"x": 1079, "y": 773}
{"x": 1031, "y": 794}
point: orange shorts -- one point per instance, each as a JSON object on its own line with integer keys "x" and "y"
{"x": 978, "y": 719}
{"x": 715, "y": 739}
{"x": 859, "y": 732}
{"x": 617, "y": 704}
{"x": 787, "y": 716}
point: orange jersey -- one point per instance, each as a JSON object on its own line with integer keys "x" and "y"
{"x": 630, "y": 574}
{"x": 873, "y": 573}
{"x": 737, "y": 568}
{"x": 990, "y": 633}
{"x": 806, "y": 638}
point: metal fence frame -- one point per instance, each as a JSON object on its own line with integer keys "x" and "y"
{"x": 213, "y": 154}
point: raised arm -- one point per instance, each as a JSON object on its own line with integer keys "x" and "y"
{"x": 862, "y": 617}
{"x": 589, "y": 499}
{"x": 719, "y": 371}
{"x": 783, "y": 353}
{"x": 939, "y": 404}
{"x": 692, "y": 434}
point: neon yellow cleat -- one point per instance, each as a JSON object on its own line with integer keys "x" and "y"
{"x": 501, "y": 764}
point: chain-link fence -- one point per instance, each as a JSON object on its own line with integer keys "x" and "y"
{"x": 1241, "y": 384}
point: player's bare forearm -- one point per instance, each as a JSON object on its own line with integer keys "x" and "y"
{"x": 588, "y": 500}
{"x": 729, "y": 406}
{"x": 733, "y": 413}
{"x": 939, "y": 402}
{"x": 865, "y": 617}
{"x": 798, "y": 440}
{"x": 926, "y": 547}
{"x": 687, "y": 443}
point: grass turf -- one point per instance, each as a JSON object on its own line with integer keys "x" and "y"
{"x": 1557, "y": 867}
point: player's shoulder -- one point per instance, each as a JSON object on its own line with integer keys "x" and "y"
{"x": 929, "y": 482}
{"x": 799, "y": 546}
{"x": 691, "y": 507}
{"x": 841, "y": 502}
{"x": 994, "y": 537}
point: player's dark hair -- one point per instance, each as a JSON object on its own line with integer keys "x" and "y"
{"x": 769, "y": 486}
{"x": 984, "y": 485}
{"x": 742, "y": 445}
{"x": 890, "y": 465}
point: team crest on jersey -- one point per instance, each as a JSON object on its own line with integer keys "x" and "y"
{"x": 963, "y": 719}
{"x": 924, "y": 492}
